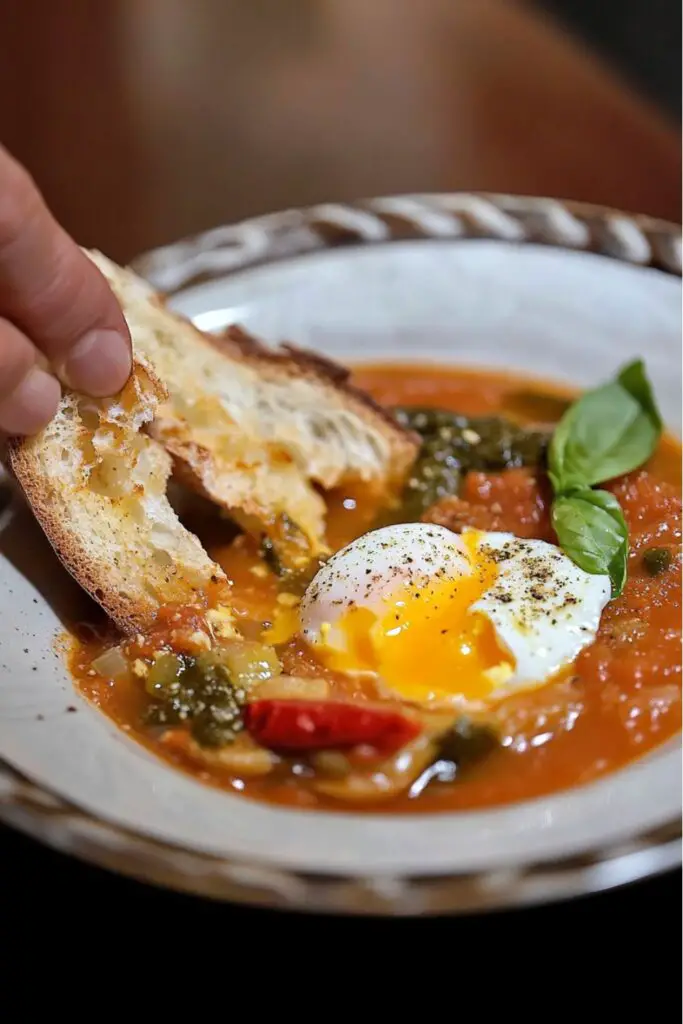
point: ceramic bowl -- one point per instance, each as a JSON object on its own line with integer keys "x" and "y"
{"x": 557, "y": 290}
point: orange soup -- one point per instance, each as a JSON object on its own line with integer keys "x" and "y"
{"x": 619, "y": 699}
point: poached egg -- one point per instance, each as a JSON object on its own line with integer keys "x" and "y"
{"x": 447, "y": 619}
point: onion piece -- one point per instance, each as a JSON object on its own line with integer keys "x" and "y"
{"x": 242, "y": 757}
{"x": 331, "y": 763}
{"x": 398, "y": 772}
{"x": 387, "y": 779}
{"x": 291, "y": 688}
{"x": 112, "y": 664}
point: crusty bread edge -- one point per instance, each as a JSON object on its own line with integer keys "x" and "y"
{"x": 93, "y": 577}
{"x": 287, "y": 361}
{"x": 290, "y": 361}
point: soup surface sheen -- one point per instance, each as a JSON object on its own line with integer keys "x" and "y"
{"x": 623, "y": 697}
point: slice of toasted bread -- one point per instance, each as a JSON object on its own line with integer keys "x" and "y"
{"x": 97, "y": 485}
{"x": 259, "y": 431}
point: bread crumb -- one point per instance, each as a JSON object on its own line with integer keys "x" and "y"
{"x": 288, "y": 600}
{"x": 199, "y": 639}
{"x": 259, "y": 570}
{"x": 139, "y": 668}
{"x": 221, "y": 622}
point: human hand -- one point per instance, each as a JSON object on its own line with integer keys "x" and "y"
{"x": 59, "y": 320}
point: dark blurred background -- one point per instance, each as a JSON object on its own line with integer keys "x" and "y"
{"x": 144, "y": 120}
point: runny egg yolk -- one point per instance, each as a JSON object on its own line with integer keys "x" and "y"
{"x": 426, "y": 645}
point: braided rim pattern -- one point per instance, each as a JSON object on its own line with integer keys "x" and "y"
{"x": 640, "y": 240}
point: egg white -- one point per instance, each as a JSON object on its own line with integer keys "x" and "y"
{"x": 368, "y": 572}
{"x": 543, "y": 609}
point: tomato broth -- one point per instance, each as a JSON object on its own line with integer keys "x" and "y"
{"x": 623, "y": 695}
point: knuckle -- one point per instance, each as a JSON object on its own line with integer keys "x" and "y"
{"x": 17, "y": 356}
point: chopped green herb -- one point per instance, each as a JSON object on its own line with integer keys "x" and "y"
{"x": 452, "y": 445}
{"x": 209, "y": 691}
{"x": 286, "y": 550}
{"x": 270, "y": 556}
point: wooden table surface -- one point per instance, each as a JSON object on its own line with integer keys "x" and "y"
{"x": 144, "y": 121}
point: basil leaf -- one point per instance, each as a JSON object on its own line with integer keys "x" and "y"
{"x": 591, "y": 530}
{"x": 606, "y": 433}
{"x": 634, "y": 380}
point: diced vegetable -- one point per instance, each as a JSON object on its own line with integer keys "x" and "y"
{"x": 248, "y": 662}
{"x": 270, "y": 557}
{"x": 318, "y": 725}
{"x": 332, "y": 763}
{"x": 242, "y": 757}
{"x": 164, "y": 673}
{"x": 384, "y": 780}
{"x": 245, "y": 760}
{"x": 295, "y": 577}
{"x": 437, "y": 754}
{"x": 112, "y": 664}
{"x": 466, "y": 742}
{"x": 209, "y": 691}
{"x": 290, "y": 687}
{"x": 657, "y": 560}
{"x": 285, "y": 548}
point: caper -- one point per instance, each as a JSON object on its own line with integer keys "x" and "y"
{"x": 657, "y": 560}
{"x": 466, "y": 742}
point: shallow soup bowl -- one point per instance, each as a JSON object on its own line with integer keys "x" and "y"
{"x": 555, "y": 290}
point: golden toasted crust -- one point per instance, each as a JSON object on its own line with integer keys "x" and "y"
{"x": 95, "y": 577}
{"x": 258, "y": 431}
{"x": 291, "y": 361}
{"x": 261, "y": 431}
{"x": 101, "y": 531}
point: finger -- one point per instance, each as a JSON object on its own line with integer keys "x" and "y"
{"x": 28, "y": 395}
{"x": 55, "y": 294}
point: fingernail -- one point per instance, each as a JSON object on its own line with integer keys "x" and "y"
{"x": 98, "y": 365}
{"x": 31, "y": 405}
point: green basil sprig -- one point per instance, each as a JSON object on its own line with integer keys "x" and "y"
{"x": 591, "y": 529}
{"x": 606, "y": 433}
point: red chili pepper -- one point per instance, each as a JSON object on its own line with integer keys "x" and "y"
{"x": 317, "y": 725}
